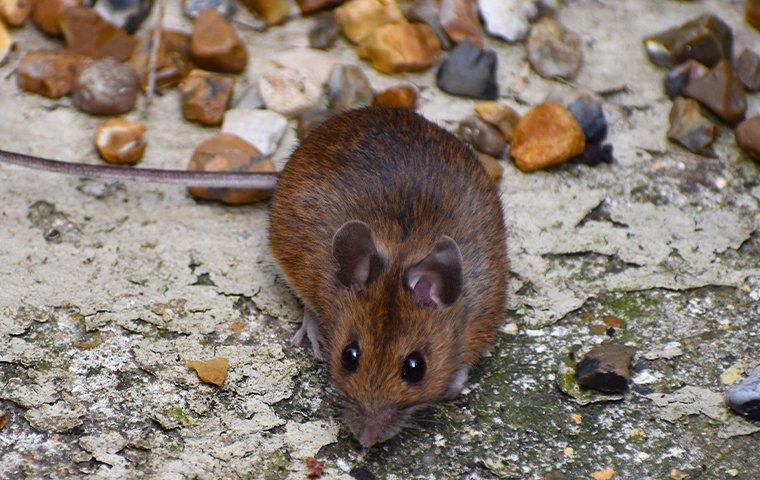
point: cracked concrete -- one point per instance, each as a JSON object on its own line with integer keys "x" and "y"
{"x": 107, "y": 289}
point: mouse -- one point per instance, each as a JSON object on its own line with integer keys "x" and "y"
{"x": 392, "y": 235}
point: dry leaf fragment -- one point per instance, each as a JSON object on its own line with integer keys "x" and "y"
{"x": 316, "y": 467}
{"x": 211, "y": 371}
{"x": 603, "y": 474}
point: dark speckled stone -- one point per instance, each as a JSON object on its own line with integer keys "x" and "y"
{"x": 469, "y": 72}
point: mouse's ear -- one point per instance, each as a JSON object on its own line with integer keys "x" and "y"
{"x": 358, "y": 260}
{"x": 437, "y": 279}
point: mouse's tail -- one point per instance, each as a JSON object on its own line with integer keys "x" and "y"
{"x": 263, "y": 181}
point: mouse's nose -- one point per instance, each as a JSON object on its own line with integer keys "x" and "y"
{"x": 374, "y": 426}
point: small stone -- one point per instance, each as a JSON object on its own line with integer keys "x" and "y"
{"x": 348, "y": 87}
{"x": 212, "y": 371}
{"x": 215, "y": 45}
{"x": 87, "y": 33}
{"x": 459, "y": 18}
{"x": 482, "y": 136}
{"x": 576, "y": 418}
{"x": 261, "y": 128}
{"x": 250, "y": 99}
{"x": 688, "y": 127}
{"x": 606, "y": 368}
{"x": 402, "y": 96}
{"x": 752, "y": 13}
{"x": 587, "y": 110}
{"x": 427, "y": 11}
{"x": 46, "y": 14}
{"x": 205, "y": 96}
{"x": 553, "y": 50}
{"x": 106, "y": 87}
{"x": 120, "y": 141}
{"x": 748, "y": 136}
{"x": 126, "y": 14}
{"x": 229, "y": 153}
{"x": 309, "y": 119}
{"x": 500, "y": 116}
{"x": 595, "y": 154}
{"x": 680, "y": 76}
{"x": 193, "y": 8}
{"x": 273, "y": 11}
{"x": 325, "y": 31}
{"x": 309, "y": 6}
{"x": 173, "y": 62}
{"x": 508, "y": 19}
{"x": 401, "y": 47}
{"x": 676, "y": 474}
{"x": 495, "y": 171}
{"x": 706, "y": 39}
{"x": 15, "y": 12}
{"x": 748, "y": 69}
{"x": 3, "y": 420}
{"x": 285, "y": 91}
{"x": 359, "y": 18}
{"x": 6, "y": 42}
{"x": 606, "y": 474}
{"x": 744, "y": 397}
{"x": 547, "y": 135}
{"x": 469, "y": 72}
{"x": 721, "y": 91}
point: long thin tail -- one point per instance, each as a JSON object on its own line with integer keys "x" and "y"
{"x": 265, "y": 181}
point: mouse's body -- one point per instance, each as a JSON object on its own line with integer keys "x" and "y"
{"x": 392, "y": 234}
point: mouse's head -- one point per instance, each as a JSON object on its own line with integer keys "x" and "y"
{"x": 395, "y": 345}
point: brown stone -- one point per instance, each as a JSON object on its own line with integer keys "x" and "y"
{"x": 213, "y": 371}
{"x": 15, "y": 12}
{"x": 46, "y": 14}
{"x": 106, "y": 87}
{"x": 748, "y": 69}
{"x": 500, "y": 116}
{"x": 402, "y": 96}
{"x": 87, "y": 33}
{"x": 401, "y": 47}
{"x": 308, "y": 6}
{"x": 553, "y": 50}
{"x": 606, "y": 368}
{"x": 229, "y": 153}
{"x": 688, "y": 127}
{"x": 273, "y": 11}
{"x": 752, "y": 13}
{"x": 120, "y": 141}
{"x": 205, "y": 97}
{"x": 678, "y": 77}
{"x": 50, "y": 73}
{"x": 547, "y": 135}
{"x": 706, "y": 39}
{"x": 492, "y": 166}
{"x": 459, "y": 19}
{"x": 6, "y": 42}
{"x": 483, "y": 136}
{"x": 748, "y": 136}
{"x": 173, "y": 62}
{"x": 721, "y": 91}
{"x": 325, "y": 31}
{"x": 215, "y": 45}
{"x": 359, "y": 18}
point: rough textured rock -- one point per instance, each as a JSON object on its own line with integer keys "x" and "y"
{"x": 606, "y": 368}
{"x": 15, "y": 12}
{"x": 545, "y": 136}
{"x": 587, "y": 110}
{"x": 706, "y": 39}
{"x": 192, "y": 8}
{"x": 273, "y": 11}
{"x": 720, "y": 91}
{"x": 688, "y": 127}
{"x": 748, "y": 69}
{"x": 359, "y": 18}
{"x": 287, "y": 92}
{"x": 46, "y": 14}
{"x": 105, "y": 87}
{"x": 173, "y": 62}
{"x": 206, "y": 96}
{"x": 508, "y": 19}
{"x": 261, "y": 128}
{"x": 482, "y": 136}
{"x": 126, "y": 14}
{"x": 469, "y": 72}
{"x": 348, "y": 87}
{"x": 325, "y": 31}
{"x": 401, "y": 47}
{"x": 402, "y": 96}
{"x": 553, "y": 50}
{"x": 459, "y": 19}
{"x": 50, "y": 73}
{"x": 215, "y": 45}
{"x": 744, "y": 397}
{"x": 87, "y": 33}
{"x": 748, "y": 136}
{"x": 501, "y": 116}
{"x": 120, "y": 141}
{"x": 678, "y": 77}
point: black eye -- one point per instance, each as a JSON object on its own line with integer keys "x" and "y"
{"x": 414, "y": 368}
{"x": 350, "y": 357}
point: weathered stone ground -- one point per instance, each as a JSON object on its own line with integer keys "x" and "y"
{"x": 106, "y": 290}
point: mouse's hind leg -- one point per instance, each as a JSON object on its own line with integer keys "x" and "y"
{"x": 309, "y": 328}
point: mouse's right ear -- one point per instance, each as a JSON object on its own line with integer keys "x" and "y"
{"x": 358, "y": 259}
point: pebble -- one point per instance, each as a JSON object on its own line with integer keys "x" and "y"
{"x": 261, "y": 128}
{"x": 309, "y": 6}
{"x": 215, "y": 45}
{"x": 127, "y": 14}
{"x": 46, "y": 14}
{"x": 459, "y": 18}
{"x": 721, "y": 91}
{"x": 359, "y": 18}
{"x": 193, "y": 8}
{"x": 173, "y": 62}
{"x": 427, "y": 11}
{"x": 106, "y": 87}
{"x": 470, "y": 72}
{"x": 310, "y": 119}
{"x": 348, "y": 87}
{"x": 120, "y": 141}
{"x": 680, "y": 76}
{"x": 205, "y": 96}
{"x": 250, "y": 99}
{"x": 3, "y": 419}
{"x": 606, "y": 368}
{"x": 287, "y": 92}
{"x": 325, "y": 31}
{"x": 748, "y": 69}
{"x": 587, "y": 110}
{"x": 87, "y": 33}
{"x": 752, "y": 13}
{"x": 401, "y": 47}
{"x": 229, "y": 153}
{"x": 547, "y": 135}
{"x": 273, "y": 11}
{"x": 595, "y": 154}
{"x": 706, "y": 39}
{"x": 50, "y": 73}
{"x": 688, "y": 127}
{"x": 212, "y": 371}
{"x": 402, "y": 96}
{"x": 744, "y": 397}
{"x": 495, "y": 171}
{"x": 501, "y": 116}
{"x": 553, "y": 50}
{"x": 6, "y": 42}
{"x": 748, "y": 136}
{"x": 15, "y": 12}
{"x": 483, "y": 136}
{"x": 508, "y": 19}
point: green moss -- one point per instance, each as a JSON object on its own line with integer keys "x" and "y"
{"x": 42, "y": 366}
{"x": 181, "y": 416}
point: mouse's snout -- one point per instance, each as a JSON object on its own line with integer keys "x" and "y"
{"x": 374, "y": 425}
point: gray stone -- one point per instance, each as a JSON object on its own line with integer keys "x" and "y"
{"x": 192, "y": 8}
{"x": 553, "y": 50}
{"x": 348, "y": 87}
{"x": 127, "y": 14}
{"x": 469, "y": 72}
{"x": 748, "y": 69}
{"x": 106, "y": 87}
{"x": 325, "y": 31}
{"x": 508, "y": 19}
{"x": 744, "y": 397}
{"x": 261, "y": 128}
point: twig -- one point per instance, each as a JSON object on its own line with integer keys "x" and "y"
{"x": 153, "y": 59}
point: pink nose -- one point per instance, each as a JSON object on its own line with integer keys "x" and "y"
{"x": 372, "y": 427}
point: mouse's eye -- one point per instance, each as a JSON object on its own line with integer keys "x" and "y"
{"x": 414, "y": 368}
{"x": 350, "y": 357}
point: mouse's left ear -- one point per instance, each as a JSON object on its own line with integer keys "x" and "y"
{"x": 437, "y": 279}
{"x": 358, "y": 259}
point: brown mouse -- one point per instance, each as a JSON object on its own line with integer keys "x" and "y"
{"x": 392, "y": 234}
